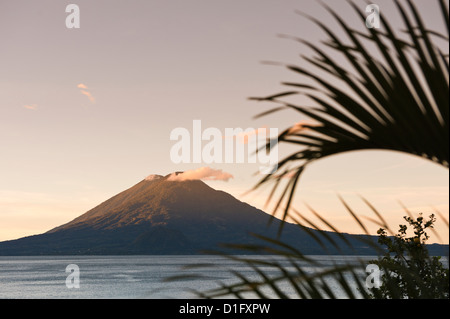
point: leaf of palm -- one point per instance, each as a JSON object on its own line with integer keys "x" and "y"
{"x": 397, "y": 100}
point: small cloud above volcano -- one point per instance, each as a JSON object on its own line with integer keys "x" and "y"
{"x": 202, "y": 173}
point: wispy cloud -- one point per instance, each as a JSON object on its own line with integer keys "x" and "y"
{"x": 85, "y": 91}
{"x": 32, "y": 107}
{"x": 89, "y": 95}
{"x": 302, "y": 126}
{"x": 202, "y": 173}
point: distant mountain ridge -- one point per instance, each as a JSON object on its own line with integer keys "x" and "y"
{"x": 160, "y": 217}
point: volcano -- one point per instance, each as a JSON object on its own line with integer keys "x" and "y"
{"x": 159, "y": 216}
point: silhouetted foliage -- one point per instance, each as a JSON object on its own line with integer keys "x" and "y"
{"x": 409, "y": 271}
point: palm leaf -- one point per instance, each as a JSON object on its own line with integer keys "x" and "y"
{"x": 395, "y": 100}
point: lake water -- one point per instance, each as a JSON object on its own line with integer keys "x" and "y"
{"x": 126, "y": 277}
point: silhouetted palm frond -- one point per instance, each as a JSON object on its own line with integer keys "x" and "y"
{"x": 393, "y": 98}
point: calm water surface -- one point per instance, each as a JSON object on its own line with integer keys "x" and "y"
{"x": 128, "y": 276}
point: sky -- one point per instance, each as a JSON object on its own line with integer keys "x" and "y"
{"x": 86, "y": 113}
